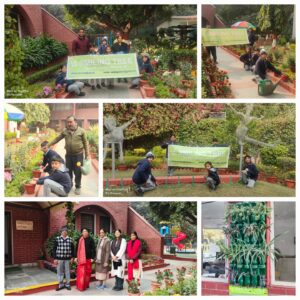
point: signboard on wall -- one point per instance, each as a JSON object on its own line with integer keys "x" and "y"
{"x": 24, "y": 225}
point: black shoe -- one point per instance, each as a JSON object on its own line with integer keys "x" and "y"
{"x": 81, "y": 94}
{"x": 110, "y": 87}
{"x": 139, "y": 192}
{"x": 86, "y": 84}
{"x": 59, "y": 288}
{"x": 118, "y": 289}
{"x": 68, "y": 288}
{"x": 133, "y": 86}
{"x": 114, "y": 288}
{"x": 103, "y": 84}
{"x": 93, "y": 87}
{"x": 98, "y": 86}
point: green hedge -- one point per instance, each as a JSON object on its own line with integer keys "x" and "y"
{"x": 40, "y": 51}
{"x": 172, "y": 58}
{"x": 10, "y": 135}
{"x": 43, "y": 74}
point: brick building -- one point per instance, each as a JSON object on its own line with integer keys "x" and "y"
{"x": 87, "y": 114}
{"x": 33, "y": 20}
{"x": 210, "y": 17}
{"x": 29, "y": 224}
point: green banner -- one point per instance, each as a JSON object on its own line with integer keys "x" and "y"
{"x": 224, "y": 36}
{"x": 196, "y": 157}
{"x": 247, "y": 291}
{"x": 102, "y": 66}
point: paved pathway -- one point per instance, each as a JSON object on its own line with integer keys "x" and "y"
{"x": 89, "y": 183}
{"x": 241, "y": 80}
{"x": 120, "y": 91}
{"x": 145, "y": 283}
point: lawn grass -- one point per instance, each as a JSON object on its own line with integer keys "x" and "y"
{"x": 262, "y": 189}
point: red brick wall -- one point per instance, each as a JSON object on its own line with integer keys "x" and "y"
{"x": 281, "y": 290}
{"x": 118, "y": 211}
{"x": 209, "y": 13}
{"x": 57, "y": 30}
{"x": 145, "y": 231}
{"x": 26, "y": 244}
{"x": 210, "y": 288}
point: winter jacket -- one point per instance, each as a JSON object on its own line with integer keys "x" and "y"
{"x": 254, "y": 59}
{"x": 75, "y": 141}
{"x": 251, "y": 38}
{"x": 252, "y": 172}
{"x": 102, "y": 49}
{"x": 119, "y": 48}
{"x": 142, "y": 172}
{"x": 146, "y": 67}
{"x": 47, "y": 157}
{"x": 63, "y": 249}
{"x": 81, "y": 46}
{"x": 246, "y": 58}
{"x": 262, "y": 66}
{"x": 61, "y": 79}
{"x": 90, "y": 249}
{"x": 213, "y": 173}
{"x": 60, "y": 176}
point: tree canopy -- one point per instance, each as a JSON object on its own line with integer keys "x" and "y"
{"x": 35, "y": 113}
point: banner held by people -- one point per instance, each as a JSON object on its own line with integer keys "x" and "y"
{"x": 224, "y": 37}
{"x": 102, "y": 66}
{"x": 196, "y": 157}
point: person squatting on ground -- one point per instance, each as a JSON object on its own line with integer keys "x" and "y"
{"x": 212, "y": 178}
{"x": 58, "y": 182}
{"x": 166, "y": 145}
{"x": 133, "y": 254}
{"x": 142, "y": 176}
{"x": 76, "y": 145}
{"x": 63, "y": 254}
{"x": 102, "y": 260}
{"x": 118, "y": 257}
{"x": 48, "y": 154}
{"x": 246, "y": 59}
{"x": 262, "y": 66}
{"x": 84, "y": 257}
{"x": 249, "y": 172}
{"x": 144, "y": 67}
{"x": 70, "y": 86}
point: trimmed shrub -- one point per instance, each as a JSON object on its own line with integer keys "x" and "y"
{"x": 10, "y": 135}
{"x": 286, "y": 163}
{"x": 270, "y": 156}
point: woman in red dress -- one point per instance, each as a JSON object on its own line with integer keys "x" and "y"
{"x": 133, "y": 252}
{"x": 85, "y": 254}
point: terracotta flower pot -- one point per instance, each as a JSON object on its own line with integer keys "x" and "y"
{"x": 59, "y": 95}
{"x": 155, "y": 286}
{"x": 143, "y": 82}
{"x": 169, "y": 282}
{"x": 131, "y": 294}
{"x": 41, "y": 264}
{"x": 290, "y": 183}
{"x": 36, "y": 173}
{"x": 122, "y": 167}
{"x": 29, "y": 188}
{"x": 149, "y": 90}
{"x": 272, "y": 179}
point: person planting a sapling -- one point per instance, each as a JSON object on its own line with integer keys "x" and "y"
{"x": 142, "y": 176}
{"x": 48, "y": 154}
{"x": 145, "y": 67}
{"x": 59, "y": 182}
{"x": 212, "y": 178}
{"x": 262, "y": 66}
{"x": 166, "y": 145}
{"x": 70, "y": 86}
{"x": 249, "y": 172}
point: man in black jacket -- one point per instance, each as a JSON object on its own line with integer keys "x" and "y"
{"x": 166, "y": 145}
{"x": 246, "y": 59}
{"x": 142, "y": 177}
{"x": 249, "y": 172}
{"x": 47, "y": 157}
{"x": 59, "y": 182}
{"x": 262, "y": 66}
{"x": 63, "y": 253}
{"x": 212, "y": 178}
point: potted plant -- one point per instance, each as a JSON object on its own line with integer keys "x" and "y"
{"x": 144, "y": 79}
{"x": 121, "y": 166}
{"x": 150, "y": 87}
{"x": 59, "y": 91}
{"x": 41, "y": 259}
{"x": 168, "y": 278}
{"x": 271, "y": 172}
{"x": 155, "y": 285}
{"x": 290, "y": 179}
{"x": 36, "y": 172}
{"x": 29, "y": 186}
{"x": 133, "y": 287}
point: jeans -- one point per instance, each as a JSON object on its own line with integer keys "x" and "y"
{"x": 63, "y": 269}
{"x": 71, "y": 164}
{"x": 51, "y": 186}
{"x": 76, "y": 87}
{"x": 135, "y": 81}
{"x": 211, "y": 183}
{"x": 149, "y": 186}
{"x": 250, "y": 183}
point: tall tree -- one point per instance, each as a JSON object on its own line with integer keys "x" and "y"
{"x": 119, "y": 18}
{"x": 35, "y": 113}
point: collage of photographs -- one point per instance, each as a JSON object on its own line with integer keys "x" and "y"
{"x": 172, "y": 139}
